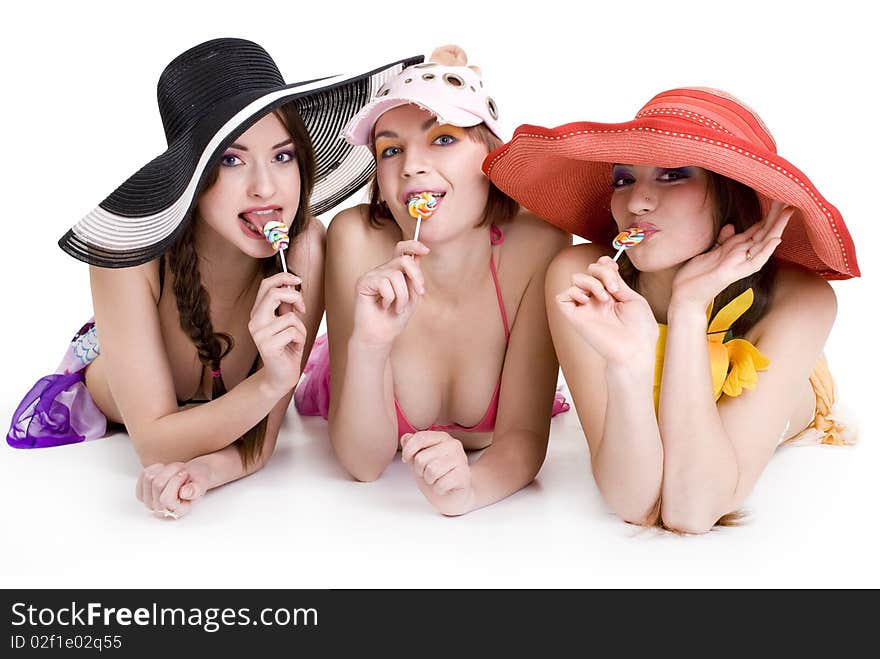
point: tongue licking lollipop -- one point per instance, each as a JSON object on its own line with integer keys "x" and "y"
{"x": 420, "y": 207}
{"x": 276, "y": 234}
{"x": 627, "y": 239}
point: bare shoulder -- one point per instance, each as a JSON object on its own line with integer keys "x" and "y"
{"x": 352, "y": 237}
{"x": 802, "y": 304}
{"x": 803, "y": 293}
{"x": 314, "y": 235}
{"x": 315, "y": 230}
{"x": 113, "y": 281}
{"x": 531, "y": 240}
{"x": 529, "y": 231}
{"x": 576, "y": 258}
{"x": 350, "y": 225}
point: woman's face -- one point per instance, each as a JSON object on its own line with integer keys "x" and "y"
{"x": 416, "y": 154}
{"x": 671, "y": 205}
{"x": 257, "y": 181}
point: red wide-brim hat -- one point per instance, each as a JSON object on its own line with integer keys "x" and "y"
{"x": 563, "y": 174}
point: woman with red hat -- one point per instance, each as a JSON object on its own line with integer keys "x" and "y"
{"x": 435, "y": 301}
{"x": 699, "y": 351}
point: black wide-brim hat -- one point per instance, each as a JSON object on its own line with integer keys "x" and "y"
{"x": 209, "y": 96}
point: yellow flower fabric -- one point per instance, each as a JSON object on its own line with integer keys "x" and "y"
{"x": 734, "y": 363}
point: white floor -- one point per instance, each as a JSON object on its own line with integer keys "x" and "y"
{"x": 70, "y": 517}
{"x": 71, "y": 520}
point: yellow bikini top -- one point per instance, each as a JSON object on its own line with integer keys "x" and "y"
{"x": 735, "y": 363}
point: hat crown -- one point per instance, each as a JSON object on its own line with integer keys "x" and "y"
{"x": 433, "y": 83}
{"x": 208, "y": 74}
{"x": 451, "y": 76}
{"x": 454, "y": 93}
{"x": 714, "y": 109}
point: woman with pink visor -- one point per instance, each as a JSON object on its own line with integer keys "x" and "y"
{"x": 437, "y": 345}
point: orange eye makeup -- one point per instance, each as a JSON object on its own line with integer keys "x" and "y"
{"x": 446, "y": 129}
{"x": 385, "y": 147}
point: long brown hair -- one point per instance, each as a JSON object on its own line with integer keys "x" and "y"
{"x": 499, "y": 207}
{"x": 737, "y": 204}
{"x": 194, "y": 302}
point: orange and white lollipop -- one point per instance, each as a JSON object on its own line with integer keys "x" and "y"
{"x": 421, "y": 206}
{"x": 627, "y": 239}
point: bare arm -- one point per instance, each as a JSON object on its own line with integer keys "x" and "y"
{"x": 363, "y": 318}
{"x": 225, "y": 465}
{"x": 715, "y": 453}
{"x": 522, "y": 426}
{"x": 139, "y": 376}
{"x": 613, "y": 398}
{"x": 175, "y": 486}
{"x": 306, "y": 257}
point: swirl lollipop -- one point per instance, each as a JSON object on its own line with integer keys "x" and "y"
{"x": 276, "y": 234}
{"x": 420, "y": 207}
{"x": 627, "y": 239}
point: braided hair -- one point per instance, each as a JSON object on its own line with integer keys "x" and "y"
{"x": 194, "y": 301}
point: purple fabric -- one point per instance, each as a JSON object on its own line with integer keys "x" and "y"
{"x": 312, "y": 396}
{"x": 58, "y": 409}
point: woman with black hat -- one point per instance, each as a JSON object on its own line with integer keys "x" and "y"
{"x": 190, "y": 301}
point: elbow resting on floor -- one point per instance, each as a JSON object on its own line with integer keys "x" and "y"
{"x": 364, "y": 474}
{"x": 649, "y": 517}
{"x": 693, "y": 522}
{"x": 362, "y": 470}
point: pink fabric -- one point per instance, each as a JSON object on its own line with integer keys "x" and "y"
{"x": 312, "y": 396}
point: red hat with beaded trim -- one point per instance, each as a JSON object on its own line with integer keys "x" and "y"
{"x": 563, "y": 174}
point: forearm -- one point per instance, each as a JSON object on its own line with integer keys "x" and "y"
{"x": 628, "y": 465}
{"x": 225, "y": 466}
{"x": 510, "y": 463}
{"x": 207, "y": 427}
{"x": 363, "y": 433}
{"x": 700, "y": 472}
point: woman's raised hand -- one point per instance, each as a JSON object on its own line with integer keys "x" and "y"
{"x": 734, "y": 256}
{"x": 610, "y": 316}
{"x": 388, "y": 294}
{"x": 278, "y": 330}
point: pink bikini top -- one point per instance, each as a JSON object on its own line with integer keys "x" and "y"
{"x": 487, "y": 423}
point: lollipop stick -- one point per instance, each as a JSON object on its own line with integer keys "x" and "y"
{"x": 283, "y": 262}
{"x": 418, "y": 226}
{"x": 619, "y": 252}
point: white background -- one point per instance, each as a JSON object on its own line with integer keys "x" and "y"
{"x": 79, "y": 115}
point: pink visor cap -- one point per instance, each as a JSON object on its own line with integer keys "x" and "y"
{"x": 455, "y": 94}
